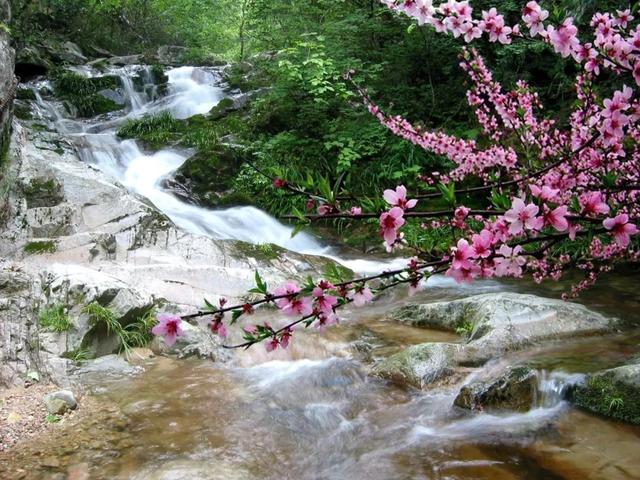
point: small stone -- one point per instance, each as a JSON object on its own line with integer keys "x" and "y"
{"x": 13, "y": 417}
{"x": 57, "y": 403}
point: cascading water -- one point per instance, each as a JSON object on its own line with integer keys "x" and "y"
{"x": 192, "y": 91}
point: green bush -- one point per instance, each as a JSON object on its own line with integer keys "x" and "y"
{"x": 55, "y": 318}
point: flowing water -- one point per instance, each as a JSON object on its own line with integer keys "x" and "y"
{"x": 311, "y": 412}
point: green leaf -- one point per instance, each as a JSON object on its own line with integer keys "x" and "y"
{"x": 235, "y": 315}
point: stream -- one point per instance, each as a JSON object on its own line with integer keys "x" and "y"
{"x": 311, "y": 412}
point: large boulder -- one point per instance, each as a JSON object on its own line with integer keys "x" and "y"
{"x": 614, "y": 393}
{"x": 491, "y": 325}
{"x": 496, "y": 323}
{"x": 419, "y": 365}
{"x": 515, "y": 389}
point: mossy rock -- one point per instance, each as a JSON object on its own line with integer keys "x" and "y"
{"x": 516, "y": 390}
{"x": 613, "y": 393}
{"x": 40, "y": 247}
{"x": 222, "y": 109}
{"x": 261, "y": 252}
{"x": 43, "y": 192}
{"x": 82, "y": 94}
{"x": 25, "y": 94}
{"x": 209, "y": 172}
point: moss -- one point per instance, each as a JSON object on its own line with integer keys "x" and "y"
{"x": 82, "y": 93}
{"x": 5, "y": 141}
{"x": 223, "y": 107}
{"x": 39, "y": 247}
{"x": 605, "y": 394}
{"x": 42, "y": 192}
{"x": 23, "y": 112}
{"x": 25, "y": 94}
{"x": 261, "y": 252}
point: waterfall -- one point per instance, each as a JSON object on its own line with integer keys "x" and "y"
{"x": 192, "y": 91}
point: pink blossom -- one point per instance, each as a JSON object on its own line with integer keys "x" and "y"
{"x": 461, "y": 254}
{"x": 272, "y": 344}
{"x": 533, "y": 16}
{"x": 298, "y": 306}
{"x": 523, "y": 216}
{"x": 465, "y": 274}
{"x": 324, "y": 209}
{"x": 285, "y": 337}
{"x": 326, "y": 320}
{"x": 355, "y": 211}
{"x": 218, "y": 328}
{"x": 565, "y": 38}
{"x": 360, "y": 296}
{"x": 482, "y": 243}
{"x": 592, "y": 203}
{"x": 290, "y": 289}
{"x": 545, "y": 193}
{"x": 621, "y": 229}
{"x": 557, "y": 218}
{"x": 324, "y": 303}
{"x": 169, "y": 327}
{"x": 511, "y": 262}
{"x": 398, "y": 198}
{"x": 390, "y": 222}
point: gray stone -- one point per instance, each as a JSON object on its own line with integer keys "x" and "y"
{"x": 196, "y": 341}
{"x": 516, "y": 389}
{"x": 171, "y": 55}
{"x": 506, "y": 321}
{"x": 58, "y": 403}
{"x": 419, "y": 365}
{"x": 114, "y": 96}
{"x": 108, "y": 367}
{"x": 126, "y": 60}
{"x": 71, "y": 53}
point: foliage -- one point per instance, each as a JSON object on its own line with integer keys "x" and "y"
{"x": 55, "y": 318}
{"x": 51, "y": 418}
{"x": 134, "y": 334}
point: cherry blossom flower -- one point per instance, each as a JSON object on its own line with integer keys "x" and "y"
{"x": 592, "y": 203}
{"x": 289, "y": 288}
{"x": 565, "y": 38}
{"x": 523, "y": 217}
{"x": 621, "y": 229}
{"x": 557, "y": 218}
{"x": 482, "y": 243}
{"x": 324, "y": 303}
{"x": 465, "y": 274}
{"x": 272, "y": 344}
{"x": 398, "y": 198}
{"x": 355, "y": 211}
{"x": 461, "y": 254}
{"x": 533, "y": 16}
{"x": 169, "y": 327}
{"x": 360, "y": 296}
{"x": 390, "y": 222}
{"x": 511, "y": 262}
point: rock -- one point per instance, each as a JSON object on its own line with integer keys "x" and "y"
{"x": 126, "y": 60}
{"x": 516, "y": 389}
{"x": 171, "y": 55}
{"x": 109, "y": 367}
{"x": 58, "y": 403}
{"x": 71, "y": 53}
{"x": 114, "y": 96}
{"x": 613, "y": 393}
{"x": 139, "y": 355}
{"x": 502, "y": 322}
{"x": 50, "y": 462}
{"x": 418, "y": 365}
{"x": 195, "y": 341}
{"x": 14, "y": 417}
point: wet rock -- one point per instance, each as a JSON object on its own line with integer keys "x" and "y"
{"x": 613, "y": 393}
{"x": 516, "y": 389}
{"x": 418, "y": 365}
{"x": 58, "y": 403}
{"x": 109, "y": 367}
{"x": 113, "y": 95}
{"x": 195, "y": 341}
{"x": 71, "y": 53}
{"x": 499, "y": 322}
{"x": 126, "y": 60}
{"x": 171, "y": 55}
